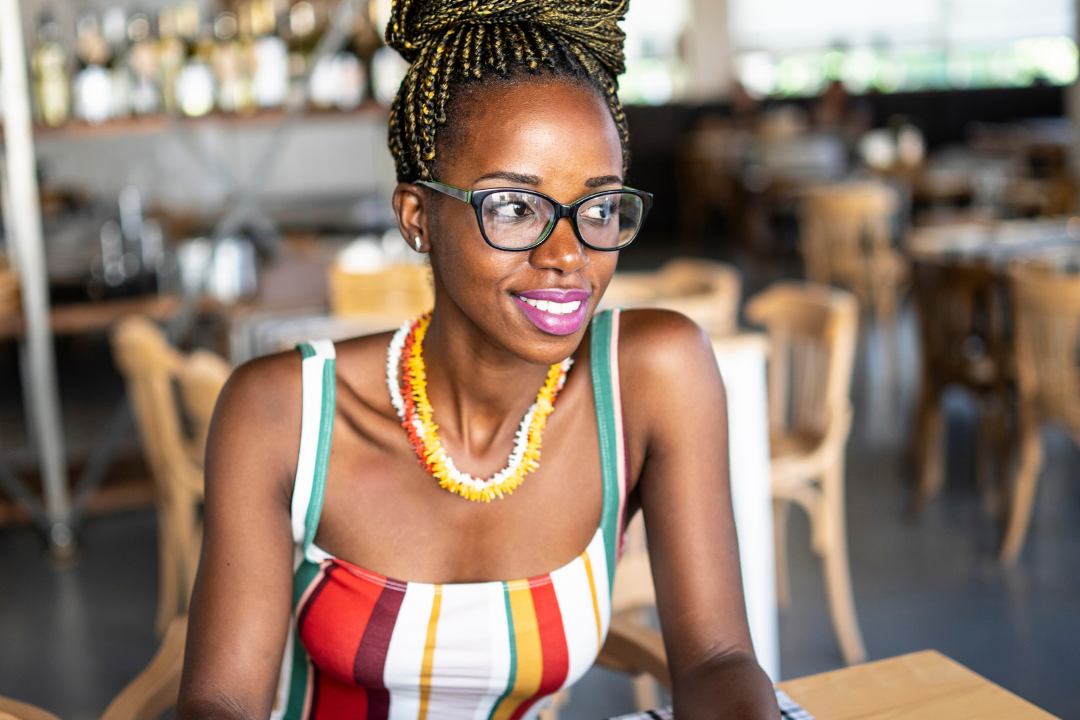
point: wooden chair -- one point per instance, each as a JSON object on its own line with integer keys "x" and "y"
{"x": 962, "y": 318}
{"x": 398, "y": 291}
{"x": 633, "y": 598}
{"x": 707, "y": 292}
{"x": 812, "y": 330}
{"x": 630, "y": 648}
{"x": 173, "y": 397}
{"x": 846, "y": 240}
{"x": 1046, "y": 316}
{"x": 15, "y": 710}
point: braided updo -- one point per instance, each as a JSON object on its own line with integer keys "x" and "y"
{"x": 456, "y": 42}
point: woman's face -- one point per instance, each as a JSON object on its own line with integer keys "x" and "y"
{"x": 554, "y": 137}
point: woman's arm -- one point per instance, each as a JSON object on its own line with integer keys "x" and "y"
{"x": 239, "y": 614}
{"x": 678, "y": 413}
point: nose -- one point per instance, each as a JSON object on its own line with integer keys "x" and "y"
{"x": 562, "y": 251}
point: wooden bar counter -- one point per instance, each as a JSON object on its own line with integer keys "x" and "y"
{"x": 924, "y": 685}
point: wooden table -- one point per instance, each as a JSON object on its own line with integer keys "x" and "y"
{"x": 924, "y": 685}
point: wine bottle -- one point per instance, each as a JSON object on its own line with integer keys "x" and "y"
{"x": 49, "y": 62}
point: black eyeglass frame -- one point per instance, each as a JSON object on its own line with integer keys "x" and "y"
{"x": 476, "y": 199}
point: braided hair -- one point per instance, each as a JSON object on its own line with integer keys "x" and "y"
{"x": 452, "y": 43}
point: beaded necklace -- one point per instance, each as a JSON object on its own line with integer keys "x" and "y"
{"x": 411, "y": 402}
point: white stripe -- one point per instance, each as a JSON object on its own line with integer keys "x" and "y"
{"x": 598, "y": 559}
{"x": 324, "y": 348}
{"x": 405, "y": 655}
{"x": 311, "y": 372}
{"x": 282, "y": 700}
{"x": 499, "y": 649}
{"x": 462, "y": 663}
{"x": 578, "y": 618}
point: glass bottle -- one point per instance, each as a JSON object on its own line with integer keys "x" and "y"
{"x": 195, "y": 85}
{"x": 49, "y": 62}
{"x": 114, "y": 29}
{"x": 92, "y": 88}
{"x": 270, "y": 56}
{"x": 142, "y": 59}
{"x": 171, "y": 54}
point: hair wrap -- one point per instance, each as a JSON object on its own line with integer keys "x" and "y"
{"x": 452, "y": 41}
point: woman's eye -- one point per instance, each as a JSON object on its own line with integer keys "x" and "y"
{"x": 511, "y": 208}
{"x": 601, "y": 211}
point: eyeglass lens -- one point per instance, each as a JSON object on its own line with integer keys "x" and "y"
{"x": 515, "y": 219}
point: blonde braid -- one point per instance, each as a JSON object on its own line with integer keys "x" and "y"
{"x": 468, "y": 41}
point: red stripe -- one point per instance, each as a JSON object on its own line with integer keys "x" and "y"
{"x": 336, "y": 619}
{"x": 553, "y": 650}
{"x": 335, "y": 700}
{"x": 370, "y": 659}
{"x": 323, "y": 577}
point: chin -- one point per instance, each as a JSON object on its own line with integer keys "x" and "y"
{"x": 535, "y": 346}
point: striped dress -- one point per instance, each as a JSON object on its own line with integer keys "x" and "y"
{"x": 367, "y": 646}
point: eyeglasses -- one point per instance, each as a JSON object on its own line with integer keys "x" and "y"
{"x": 515, "y": 219}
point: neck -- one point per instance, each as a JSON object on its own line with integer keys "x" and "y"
{"x": 478, "y": 389}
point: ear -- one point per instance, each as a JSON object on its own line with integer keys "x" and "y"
{"x": 410, "y": 207}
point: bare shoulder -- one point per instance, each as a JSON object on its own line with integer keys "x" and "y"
{"x": 672, "y": 394}
{"x": 268, "y": 385}
{"x": 660, "y": 345}
{"x": 256, "y": 422}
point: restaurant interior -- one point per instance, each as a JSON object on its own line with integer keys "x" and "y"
{"x": 872, "y": 209}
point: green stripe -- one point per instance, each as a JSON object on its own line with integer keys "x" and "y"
{"x": 322, "y": 457}
{"x": 603, "y": 396}
{"x": 306, "y": 351}
{"x": 513, "y": 652}
{"x": 297, "y": 682}
{"x": 305, "y": 575}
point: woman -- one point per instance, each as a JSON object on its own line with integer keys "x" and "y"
{"x": 328, "y": 471}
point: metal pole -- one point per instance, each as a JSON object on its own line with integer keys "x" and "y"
{"x": 25, "y": 210}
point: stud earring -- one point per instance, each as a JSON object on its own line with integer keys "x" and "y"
{"x": 416, "y": 242}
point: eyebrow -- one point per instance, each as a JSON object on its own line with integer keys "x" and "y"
{"x": 603, "y": 180}
{"x": 535, "y": 180}
{"x": 512, "y": 177}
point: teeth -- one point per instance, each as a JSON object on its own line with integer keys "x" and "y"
{"x": 555, "y": 308}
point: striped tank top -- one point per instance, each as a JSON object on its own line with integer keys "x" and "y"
{"x": 367, "y": 646}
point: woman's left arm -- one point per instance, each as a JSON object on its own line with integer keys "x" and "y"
{"x": 677, "y": 412}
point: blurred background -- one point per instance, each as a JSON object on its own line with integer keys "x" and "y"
{"x": 870, "y": 207}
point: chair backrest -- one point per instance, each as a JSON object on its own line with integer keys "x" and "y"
{"x": 812, "y": 330}
{"x": 1047, "y": 341}
{"x": 398, "y": 291}
{"x": 707, "y": 292}
{"x": 962, "y": 316}
{"x": 201, "y": 377}
{"x": 172, "y": 397}
{"x": 844, "y": 226}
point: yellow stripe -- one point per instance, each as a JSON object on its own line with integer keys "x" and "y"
{"x": 429, "y": 654}
{"x": 530, "y": 661}
{"x": 592, "y": 589}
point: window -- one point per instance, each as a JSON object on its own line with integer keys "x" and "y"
{"x": 655, "y": 70}
{"x": 793, "y": 47}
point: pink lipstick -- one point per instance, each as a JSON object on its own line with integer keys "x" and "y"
{"x": 554, "y": 311}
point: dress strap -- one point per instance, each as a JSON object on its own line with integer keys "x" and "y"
{"x": 604, "y": 359}
{"x": 316, "y": 430}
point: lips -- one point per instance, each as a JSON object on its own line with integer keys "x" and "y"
{"x": 557, "y": 312}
